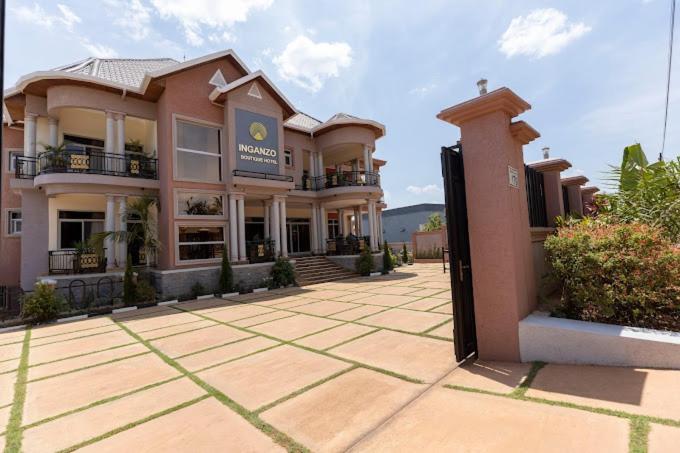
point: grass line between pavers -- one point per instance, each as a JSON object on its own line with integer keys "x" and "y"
{"x": 352, "y": 339}
{"x": 81, "y": 355}
{"x": 524, "y": 385}
{"x": 303, "y": 390}
{"x": 36, "y": 346}
{"x": 233, "y": 359}
{"x": 436, "y": 326}
{"x": 56, "y": 334}
{"x": 318, "y": 351}
{"x": 13, "y": 431}
{"x": 179, "y": 333}
{"x": 133, "y": 424}
{"x": 277, "y": 436}
{"x": 210, "y": 348}
{"x": 439, "y": 306}
{"x": 99, "y": 402}
{"x": 639, "y": 435}
{"x": 271, "y": 320}
{"x": 172, "y": 325}
{"x": 94, "y": 365}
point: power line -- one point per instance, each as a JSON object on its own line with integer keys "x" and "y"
{"x": 668, "y": 79}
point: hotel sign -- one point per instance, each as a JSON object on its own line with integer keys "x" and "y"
{"x": 257, "y": 142}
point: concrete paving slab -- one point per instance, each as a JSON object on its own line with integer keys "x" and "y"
{"x": 295, "y": 326}
{"x": 427, "y": 292}
{"x": 663, "y": 439}
{"x": 389, "y": 300}
{"x": 393, "y": 290}
{"x": 443, "y": 331}
{"x": 501, "y": 377}
{"x": 12, "y": 337}
{"x": 72, "y": 335}
{"x": 447, "y": 308}
{"x": 10, "y": 351}
{"x": 417, "y": 357}
{"x": 7, "y": 381}
{"x": 197, "y": 428}
{"x": 62, "y": 366}
{"x": 423, "y": 304}
{"x": 334, "y": 336}
{"x": 271, "y": 316}
{"x": 332, "y": 416}
{"x": 454, "y": 421}
{"x": 69, "y": 348}
{"x": 129, "y": 313}
{"x": 446, "y": 295}
{"x": 176, "y": 329}
{"x": 276, "y": 299}
{"x": 237, "y": 312}
{"x": 407, "y": 320}
{"x": 222, "y": 354}
{"x": 359, "y": 312}
{"x": 205, "y": 305}
{"x": 186, "y": 343}
{"x": 324, "y": 308}
{"x": 166, "y": 318}
{"x": 57, "y": 329}
{"x": 265, "y": 377}
{"x": 324, "y": 294}
{"x": 634, "y": 390}
{"x": 81, "y": 426}
{"x": 435, "y": 284}
{"x": 9, "y": 365}
{"x": 295, "y": 303}
{"x": 353, "y": 297}
{"x": 63, "y": 393}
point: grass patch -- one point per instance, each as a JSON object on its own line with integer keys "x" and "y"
{"x": 14, "y": 433}
{"x": 639, "y": 435}
{"x": 523, "y": 386}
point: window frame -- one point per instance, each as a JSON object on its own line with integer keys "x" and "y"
{"x": 11, "y": 162}
{"x": 8, "y": 222}
{"x": 82, "y": 226}
{"x": 288, "y": 152}
{"x": 333, "y": 225}
{"x": 178, "y": 215}
{"x": 223, "y": 225}
{"x": 176, "y": 149}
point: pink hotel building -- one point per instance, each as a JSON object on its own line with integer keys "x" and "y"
{"x": 229, "y": 159}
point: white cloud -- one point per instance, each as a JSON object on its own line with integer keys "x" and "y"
{"x": 308, "y": 63}
{"x": 422, "y": 90}
{"x": 194, "y": 14}
{"x": 38, "y": 16}
{"x": 68, "y": 17}
{"x": 223, "y": 37}
{"x": 132, "y": 16}
{"x": 543, "y": 32}
{"x": 425, "y": 190}
{"x": 98, "y": 50}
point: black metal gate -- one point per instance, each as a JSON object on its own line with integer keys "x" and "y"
{"x": 464, "y": 332}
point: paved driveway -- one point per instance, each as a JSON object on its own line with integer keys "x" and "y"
{"x": 363, "y": 364}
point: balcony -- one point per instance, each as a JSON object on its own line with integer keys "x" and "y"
{"x": 340, "y": 179}
{"x": 87, "y": 162}
{"x": 76, "y": 262}
{"x": 350, "y": 245}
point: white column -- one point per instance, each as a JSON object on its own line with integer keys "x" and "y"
{"x": 341, "y": 222}
{"x": 371, "y": 223}
{"x": 323, "y": 226}
{"x": 120, "y": 132}
{"x": 233, "y": 229}
{"x": 314, "y": 229}
{"x": 110, "y": 225}
{"x": 380, "y": 228}
{"x": 284, "y": 229}
{"x": 276, "y": 229}
{"x": 312, "y": 164}
{"x": 53, "y": 127}
{"x": 322, "y": 171}
{"x": 30, "y": 135}
{"x": 241, "y": 229}
{"x": 122, "y": 226}
{"x": 367, "y": 158}
{"x": 267, "y": 221}
{"x": 110, "y": 140}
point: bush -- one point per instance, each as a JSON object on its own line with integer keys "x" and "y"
{"x": 404, "y": 254}
{"x": 364, "y": 263}
{"x": 395, "y": 260}
{"x": 42, "y": 305}
{"x": 282, "y": 273}
{"x": 433, "y": 253}
{"x": 387, "y": 259}
{"x": 129, "y": 286}
{"x": 197, "y": 289}
{"x": 618, "y": 274}
{"x": 226, "y": 283}
{"x": 145, "y": 292}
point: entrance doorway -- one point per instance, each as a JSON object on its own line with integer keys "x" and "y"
{"x": 464, "y": 332}
{"x": 298, "y": 236}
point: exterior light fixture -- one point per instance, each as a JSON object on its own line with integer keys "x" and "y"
{"x": 546, "y": 152}
{"x": 481, "y": 85}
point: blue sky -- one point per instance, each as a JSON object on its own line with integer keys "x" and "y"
{"x": 594, "y": 72}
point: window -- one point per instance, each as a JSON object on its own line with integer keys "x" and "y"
{"x": 200, "y": 242}
{"x": 78, "y": 226}
{"x": 332, "y": 228}
{"x": 84, "y": 144}
{"x": 198, "y": 152}
{"x": 288, "y": 157}
{"x": 12, "y": 164}
{"x": 14, "y": 222}
{"x": 199, "y": 204}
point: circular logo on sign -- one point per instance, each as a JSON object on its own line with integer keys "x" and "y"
{"x": 258, "y": 131}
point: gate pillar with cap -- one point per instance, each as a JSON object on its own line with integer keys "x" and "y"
{"x": 503, "y": 282}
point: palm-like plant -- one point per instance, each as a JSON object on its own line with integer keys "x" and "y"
{"x": 142, "y": 210}
{"x": 55, "y": 155}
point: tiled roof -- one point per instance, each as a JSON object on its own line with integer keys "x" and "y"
{"x": 123, "y": 71}
{"x": 303, "y": 121}
{"x": 342, "y": 116}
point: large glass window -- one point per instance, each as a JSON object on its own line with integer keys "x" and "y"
{"x": 198, "y": 152}
{"x": 200, "y": 242}
{"x": 198, "y": 204}
{"x": 332, "y": 228}
{"x": 14, "y": 222}
{"x": 76, "y": 227}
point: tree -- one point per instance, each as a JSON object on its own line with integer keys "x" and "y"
{"x": 129, "y": 287}
{"x": 434, "y": 222}
{"x": 387, "y": 258}
{"x": 404, "y": 254}
{"x": 226, "y": 273}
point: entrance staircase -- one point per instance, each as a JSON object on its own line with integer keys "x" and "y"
{"x": 311, "y": 270}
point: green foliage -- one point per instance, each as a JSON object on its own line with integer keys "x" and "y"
{"x": 395, "y": 260}
{"x": 42, "y": 305}
{"x": 129, "y": 286}
{"x": 404, "y": 254}
{"x": 433, "y": 253}
{"x": 647, "y": 193}
{"x": 434, "y": 222}
{"x": 197, "y": 289}
{"x": 145, "y": 291}
{"x": 282, "y": 273}
{"x": 387, "y": 258}
{"x": 226, "y": 282}
{"x": 364, "y": 263}
{"x": 626, "y": 274}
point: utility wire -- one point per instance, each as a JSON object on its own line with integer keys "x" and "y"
{"x": 668, "y": 80}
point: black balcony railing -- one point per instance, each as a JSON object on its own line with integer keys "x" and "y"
{"x": 261, "y": 251}
{"x": 349, "y": 245}
{"x": 258, "y": 175}
{"x": 535, "y": 197}
{"x": 90, "y": 162}
{"x": 340, "y": 179}
{"x": 76, "y": 262}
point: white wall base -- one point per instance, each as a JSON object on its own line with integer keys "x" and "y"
{"x": 557, "y": 340}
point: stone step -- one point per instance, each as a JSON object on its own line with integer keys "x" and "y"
{"x": 312, "y": 270}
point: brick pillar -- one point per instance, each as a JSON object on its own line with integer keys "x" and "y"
{"x": 573, "y": 185}
{"x": 552, "y": 185}
{"x": 504, "y": 287}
